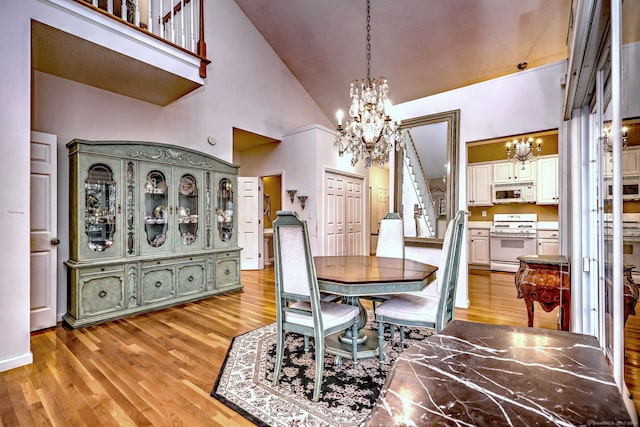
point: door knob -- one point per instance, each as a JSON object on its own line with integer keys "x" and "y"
{"x": 55, "y": 241}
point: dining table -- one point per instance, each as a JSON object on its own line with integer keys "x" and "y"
{"x": 354, "y": 276}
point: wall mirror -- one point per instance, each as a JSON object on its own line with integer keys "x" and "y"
{"x": 425, "y": 177}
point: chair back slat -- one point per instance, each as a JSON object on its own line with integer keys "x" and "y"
{"x": 391, "y": 237}
{"x": 293, "y": 260}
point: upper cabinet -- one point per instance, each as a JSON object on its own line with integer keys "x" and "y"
{"x": 479, "y": 180}
{"x": 630, "y": 162}
{"x": 547, "y": 184}
{"x": 151, "y": 225}
{"x": 506, "y": 172}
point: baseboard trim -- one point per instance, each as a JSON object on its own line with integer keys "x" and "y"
{"x": 16, "y": 362}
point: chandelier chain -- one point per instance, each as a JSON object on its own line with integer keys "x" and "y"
{"x": 369, "y": 132}
{"x": 368, "y": 39}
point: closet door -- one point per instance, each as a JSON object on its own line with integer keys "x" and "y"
{"x": 343, "y": 215}
{"x": 334, "y": 227}
{"x": 353, "y": 216}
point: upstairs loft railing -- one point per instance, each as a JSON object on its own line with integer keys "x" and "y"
{"x": 178, "y": 22}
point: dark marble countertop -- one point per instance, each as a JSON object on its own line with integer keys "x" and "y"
{"x": 545, "y": 259}
{"x": 479, "y": 374}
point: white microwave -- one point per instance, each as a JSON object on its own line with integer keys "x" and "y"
{"x": 630, "y": 188}
{"x": 514, "y": 193}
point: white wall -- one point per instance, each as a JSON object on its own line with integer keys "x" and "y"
{"x": 304, "y": 155}
{"x": 528, "y": 101}
{"x": 15, "y": 86}
{"x": 247, "y": 87}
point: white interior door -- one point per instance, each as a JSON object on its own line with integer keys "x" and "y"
{"x": 353, "y": 216}
{"x": 43, "y": 230}
{"x": 334, "y": 229}
{"x": 250, "y": 223}
{"x": 343, "y": 227}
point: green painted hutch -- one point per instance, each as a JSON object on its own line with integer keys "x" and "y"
{"x": 151, "y": 225}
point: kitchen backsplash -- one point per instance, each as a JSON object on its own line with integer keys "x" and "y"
{"x": 545, "y": 212}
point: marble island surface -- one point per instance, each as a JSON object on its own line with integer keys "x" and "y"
{"x": 481, "y": 375}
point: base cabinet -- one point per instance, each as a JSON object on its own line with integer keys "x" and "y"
{"x": 548, "y": 242}
{"x": 151, "y": 225}
{"x": 479, "y": 247}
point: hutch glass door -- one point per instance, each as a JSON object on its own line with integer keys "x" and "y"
{"x": 100, "y": 207}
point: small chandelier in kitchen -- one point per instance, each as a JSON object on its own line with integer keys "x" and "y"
{"x": 607, "y": 138}
{"x": 370, "y": 134}
{"x": 523, "y": 150}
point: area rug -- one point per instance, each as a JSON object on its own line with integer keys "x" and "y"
{"x": 348, "y": 394}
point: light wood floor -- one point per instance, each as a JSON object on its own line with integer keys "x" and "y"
{"x": 159, "y": 368}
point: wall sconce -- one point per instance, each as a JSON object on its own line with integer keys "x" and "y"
{"x": 303, "y": 200}
{"x": 292, "y": 194}
{"x": 607, "y": 138}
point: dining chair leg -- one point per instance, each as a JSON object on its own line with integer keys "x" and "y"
{"x": 381, "y": 341}
{"x": 279, "y": 355}
{"x": 306, "y": 344}
{"x": 354, "y": 343}
{"x": 318, "y": 342}
{"x": 402, "y": 336}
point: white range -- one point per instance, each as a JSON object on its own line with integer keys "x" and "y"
{"x": 511, "y": 236}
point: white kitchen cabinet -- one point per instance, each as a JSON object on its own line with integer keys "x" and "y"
{"x": 547, "y": 183}
{"x": 507, "y": 172}
{"x": 548, "y": 242}
{"x": 479, "y": 246}
{"x": 630, "y": 162}
{"x": 479, "y": 179}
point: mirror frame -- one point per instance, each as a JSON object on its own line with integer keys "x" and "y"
{"x": 453, "y": 141}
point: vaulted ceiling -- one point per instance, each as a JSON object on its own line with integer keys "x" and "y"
{"x": 422, "y": 47}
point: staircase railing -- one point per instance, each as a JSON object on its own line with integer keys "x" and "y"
{"x": 178, "y": 22}
{"x": 426, "y": 210}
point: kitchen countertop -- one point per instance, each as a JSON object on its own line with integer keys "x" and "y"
{"x": 547, "y": 225}
{"x": 542, "y": 225}
{"x": 479, "y": 224}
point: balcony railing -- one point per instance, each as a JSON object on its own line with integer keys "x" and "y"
{"x": 178, "y": 22}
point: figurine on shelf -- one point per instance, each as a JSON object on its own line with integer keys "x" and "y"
{"x": 187, "y": 186}
{"x": 158, "y": 240}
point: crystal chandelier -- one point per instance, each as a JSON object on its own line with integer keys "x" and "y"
{"x": 370, "y": 134}
{"x": 607, "y": 138}
{"x": 523, "y": 150}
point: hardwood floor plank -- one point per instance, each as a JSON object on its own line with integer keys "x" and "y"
{"x": 158, "y": 368}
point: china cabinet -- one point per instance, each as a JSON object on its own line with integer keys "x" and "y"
{"x": 151, "y": 225}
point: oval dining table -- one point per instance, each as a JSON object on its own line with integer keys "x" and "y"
{"x": 353, "y": 276}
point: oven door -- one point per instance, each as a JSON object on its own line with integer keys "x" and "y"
{"x": 505, "y": 251}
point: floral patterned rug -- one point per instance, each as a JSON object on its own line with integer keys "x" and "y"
{"x": 348, "y": 394}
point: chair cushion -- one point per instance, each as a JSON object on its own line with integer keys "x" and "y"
{"x": 408, "y": 307}
{"x": 333, "y": 314}
{"x": 431, "y": 291}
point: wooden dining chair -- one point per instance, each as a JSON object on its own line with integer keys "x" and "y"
{"x": 298, "y": 305}
{"x": 391, "y": 236}
{"x": 427, "y": 309}
{"x": 390, "y": 245}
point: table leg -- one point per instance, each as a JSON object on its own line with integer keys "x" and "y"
{"x": 529, "y": 303}
{"x": 340, "y": 343}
